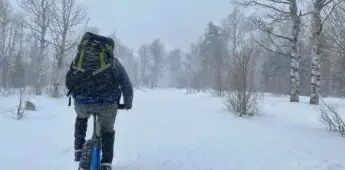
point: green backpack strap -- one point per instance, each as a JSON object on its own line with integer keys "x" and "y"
{"x": 79, "y": 64}
{"x": 107, "y": 48}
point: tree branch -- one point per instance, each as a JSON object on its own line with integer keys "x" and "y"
{"x": 268, "y": 49}
{"x": 331, "y": 11}
{"x": 252, "y": 3}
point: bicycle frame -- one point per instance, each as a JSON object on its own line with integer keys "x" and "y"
{"x": 96, "y": 150}
{"x": 96, "y": 136}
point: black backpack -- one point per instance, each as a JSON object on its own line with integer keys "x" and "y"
{"x": 91, "y": 73}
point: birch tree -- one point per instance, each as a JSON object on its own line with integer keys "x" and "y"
{"x": 10, "y": 49}
{"x": 156, "y": 53}
{"x": 67, "y": 15}
{"x": 193, "y": 69}
{"x": 317, "y": 24}
{"x": 144, "y": 55}
{"x": 40, "y": 17}
{"x": 334, "y": 33}
{"x": 18, "y": 69}
{"x": 174, "y": 67}
{"x": 281, "y": 11}
{"x": 5, "y": 12}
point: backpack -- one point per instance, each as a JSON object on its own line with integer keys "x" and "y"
{"x": 91, "y": 73}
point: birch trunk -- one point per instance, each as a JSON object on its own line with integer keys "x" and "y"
{"x": 4, "y": 58}
{"x": 59, "y": 72}
{"x": 39, "y": 82}
{"x": 316, "y": 54}
{"x": 4, "y": 9}
{"x": 295, "y": 57}
{"x": 282, "y": 15}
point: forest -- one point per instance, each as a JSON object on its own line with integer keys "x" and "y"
{"x": 283, "y": 47}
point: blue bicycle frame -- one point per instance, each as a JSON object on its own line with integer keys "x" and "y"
{"x": 95, "y": 161}
{"x": 96, "y": 150}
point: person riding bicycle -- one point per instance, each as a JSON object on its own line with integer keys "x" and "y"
{"x": 97, "y": 91}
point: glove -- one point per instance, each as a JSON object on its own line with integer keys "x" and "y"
{"x": 127, "y": 106}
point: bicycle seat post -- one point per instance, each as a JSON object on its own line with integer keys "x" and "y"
{"x": 96, "y": 126}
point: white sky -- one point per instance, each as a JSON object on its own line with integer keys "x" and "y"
{"x": 176, "y": 22}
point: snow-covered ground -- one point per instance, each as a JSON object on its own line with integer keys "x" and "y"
{"x": 169, "y": 130}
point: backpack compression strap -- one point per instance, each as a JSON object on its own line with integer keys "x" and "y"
{"x": 81, "y": 57}
{"x": 104, "y": 66}
{"x": 101, "y": 57}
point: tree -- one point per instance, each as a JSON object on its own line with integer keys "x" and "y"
{"x": 193, "y": 69}
{"x": 128, "y": 60}
{"x": 174, "y": 64}
{"x": 156, "y": 54}
{"x": 242, "y": 99}
{"x": 214, "y": 45}
{"x": 275, "y": 72}
{"x": 67, "y": 15}
{"x": 334, "y": 34}
{"x": 202, "y": 64}
{"x": 40, "y": 17}
{"x": 317, "y": 25}
{"x": 144, "y": 56}
{"x": 281, "y": 11}
{"x": 5, "y": 19}
{"x": 19, "y": 70}
{"x": 235, "y": 28}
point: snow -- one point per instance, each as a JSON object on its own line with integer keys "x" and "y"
{"x": 170, "y": 130}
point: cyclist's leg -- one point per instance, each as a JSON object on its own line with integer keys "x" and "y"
{"x": 107, "y": 117}
{"x": 80, "y": 128}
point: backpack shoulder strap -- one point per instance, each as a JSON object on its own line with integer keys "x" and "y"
{"x": 80, "y": 56}
{"x": 105, "y": 50}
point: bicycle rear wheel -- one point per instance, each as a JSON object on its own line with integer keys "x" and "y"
{"x": 86, "y": 155}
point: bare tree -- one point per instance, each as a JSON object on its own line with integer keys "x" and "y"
{"x": 174, "y": 66}
{"x": 215, "y": 52}
{"x": 18, "y": 74}
{"x": 317, "y": 24}
{"x": 21, "y": 106}
{"x": 14, "y": 32}
{"x": 242, "y": 98}
{"x": 281, "y": 11}
{"x": 193, "y": 69}
{"x": 67, "y": 15}
{"x": 199, "y": 66}
{"x": 334, "y": 34}
{"x": 189, "y": 74}
{"x": 331, "y": 118}
{"x": 156, "y": 53}
{"x": 5, "y": 17}
{"x": 235, "y": 29}
{"x": 144, "y": 55}
{"x": 40, "y": 17}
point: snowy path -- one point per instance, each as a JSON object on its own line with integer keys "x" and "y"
{"x": 168, "y": 130}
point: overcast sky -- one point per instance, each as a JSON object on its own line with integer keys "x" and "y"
{"x": 176, "y": 22}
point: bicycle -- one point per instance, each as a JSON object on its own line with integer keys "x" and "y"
{"x": 91, "y": 152}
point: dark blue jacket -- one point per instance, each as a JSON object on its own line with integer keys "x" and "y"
{"x": 112, "y": 95}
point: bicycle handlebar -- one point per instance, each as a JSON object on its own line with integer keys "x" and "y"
{"x": 121, "y": 106}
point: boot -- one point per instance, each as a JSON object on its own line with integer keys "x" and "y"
{"x": 107, "y": 147}
{"x": 106, "y": 166}
{"x": 80, "y": 128}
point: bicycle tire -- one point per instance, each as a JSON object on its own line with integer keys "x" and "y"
{"x": 86, "y": 154}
